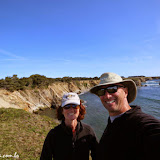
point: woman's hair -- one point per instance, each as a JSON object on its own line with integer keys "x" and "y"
{"x": 82, "y": 112}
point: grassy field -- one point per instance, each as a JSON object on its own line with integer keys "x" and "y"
{"x": 22, "y": 134}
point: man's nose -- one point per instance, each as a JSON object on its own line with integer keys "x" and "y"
{"x": 107, "y": 95}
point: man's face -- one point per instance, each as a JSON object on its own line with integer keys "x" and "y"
{"x": 115, "y": 102}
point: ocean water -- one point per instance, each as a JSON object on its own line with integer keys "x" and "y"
{"x": 148, "y": 98}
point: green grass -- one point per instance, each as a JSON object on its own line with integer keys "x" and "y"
{"x": 23, "y": 132}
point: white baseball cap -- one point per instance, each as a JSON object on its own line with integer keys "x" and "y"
{"x": 70, "y": 98}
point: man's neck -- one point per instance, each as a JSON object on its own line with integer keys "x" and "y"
{"x": 112, "y": 118}
{"x": 123, "y": 110}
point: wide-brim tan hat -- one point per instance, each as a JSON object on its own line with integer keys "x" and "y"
{"x": 112, "y": 78}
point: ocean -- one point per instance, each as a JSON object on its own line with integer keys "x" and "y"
{"x": 148, "y": 98}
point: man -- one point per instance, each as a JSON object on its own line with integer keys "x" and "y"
{"x": 130, "y": 133}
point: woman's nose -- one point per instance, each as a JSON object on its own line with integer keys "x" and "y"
{"x": 71, "y": 108}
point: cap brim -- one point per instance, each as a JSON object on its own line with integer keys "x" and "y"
{"x": 70, "y": 102}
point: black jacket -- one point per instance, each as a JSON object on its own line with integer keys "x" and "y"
{"x": 133, "y": 136}
{"x": 60, "y": 145}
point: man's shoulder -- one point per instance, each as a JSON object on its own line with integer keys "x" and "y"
{"x": 138, "y": 116}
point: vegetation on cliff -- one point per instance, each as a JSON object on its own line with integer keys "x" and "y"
{"x": 39, "y": 81}
{"x": 35, "y": 81}
{"x": 23, "y": 133}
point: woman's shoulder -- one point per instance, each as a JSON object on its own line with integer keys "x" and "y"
{"x": 55, "y": 129}
{"x": 87, "y": 131}
{"x": 87, "y": 127}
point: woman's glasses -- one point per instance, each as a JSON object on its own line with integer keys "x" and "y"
{"x": 110, "y": 89}
{"x": 68, "y": 106}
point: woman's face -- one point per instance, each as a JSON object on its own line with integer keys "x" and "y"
{"x": 71, "y": 113}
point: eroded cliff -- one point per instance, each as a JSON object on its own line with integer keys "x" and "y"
{"x": 34, "y": 99}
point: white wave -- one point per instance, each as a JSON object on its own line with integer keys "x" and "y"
{"x": 152, "y": 83}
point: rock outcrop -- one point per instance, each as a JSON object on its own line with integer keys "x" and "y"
{"x": 34, "y": 99}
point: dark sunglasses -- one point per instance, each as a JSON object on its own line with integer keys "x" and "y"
{"x": 68, "y": 106}
{"x": 110, "y": 89}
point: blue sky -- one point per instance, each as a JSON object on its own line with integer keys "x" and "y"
{"x": 79, "y": 38}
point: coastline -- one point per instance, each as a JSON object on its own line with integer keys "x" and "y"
{"x": 33, "y": 100}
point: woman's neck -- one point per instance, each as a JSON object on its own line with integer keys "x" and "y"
{"x": 72, "y": 124}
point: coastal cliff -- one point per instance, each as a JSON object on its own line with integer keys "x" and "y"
{"x": 36, "y": 99}
{"x": 32, "y": 100}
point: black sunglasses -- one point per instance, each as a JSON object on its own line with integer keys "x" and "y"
{"x": 68, "y": 106}
{"x": 110, "y": 89}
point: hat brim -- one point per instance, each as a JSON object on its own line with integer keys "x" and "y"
{"x": 130, "y": 84}
{"x": 70, "y": 102}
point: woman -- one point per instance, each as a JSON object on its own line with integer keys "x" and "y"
{"x": 72, "y": 139}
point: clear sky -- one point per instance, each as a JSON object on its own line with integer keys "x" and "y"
{"x": 79, "y": 38}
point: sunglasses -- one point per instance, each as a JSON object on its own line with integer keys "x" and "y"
{"x": 68, "y": 106}
{"x": 110, "y": 89}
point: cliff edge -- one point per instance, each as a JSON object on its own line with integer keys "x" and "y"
{"x": 32, "y": 100}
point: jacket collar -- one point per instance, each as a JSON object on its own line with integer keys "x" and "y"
{"x": 127, "y": 113}
{"x": 68, "y": 130}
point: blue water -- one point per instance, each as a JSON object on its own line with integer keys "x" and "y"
{"x": 148, "y": 98}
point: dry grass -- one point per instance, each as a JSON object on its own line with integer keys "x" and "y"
{"x": 22, "y": 132}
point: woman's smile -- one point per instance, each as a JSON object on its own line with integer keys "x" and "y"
{"x": 71, "y": 113}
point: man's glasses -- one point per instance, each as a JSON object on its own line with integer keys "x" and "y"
{"x": 110, "y": 89}
{"x": 68, "y": 106}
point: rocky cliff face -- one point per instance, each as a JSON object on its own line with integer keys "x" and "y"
{"x": 35, "y": 99}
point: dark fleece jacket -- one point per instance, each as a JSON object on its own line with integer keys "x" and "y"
{"x": 133, "y": 136}
{"x": 60, "y": 144}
